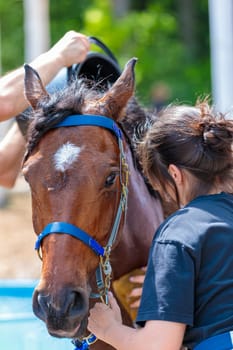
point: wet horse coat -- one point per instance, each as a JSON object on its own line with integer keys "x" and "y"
{"x": 75, "y": 177}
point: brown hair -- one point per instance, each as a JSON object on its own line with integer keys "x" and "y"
{"x": 196, "y": 139}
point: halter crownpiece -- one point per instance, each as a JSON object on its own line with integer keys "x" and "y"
{"x": 92, "y": 120}
{"x": 59, "y": 227}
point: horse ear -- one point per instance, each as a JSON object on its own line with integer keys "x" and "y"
{"x": 33, "y": 86}
{"x": 116, "y": 98}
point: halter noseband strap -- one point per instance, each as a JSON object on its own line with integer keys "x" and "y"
{"x": 65, "y": 227}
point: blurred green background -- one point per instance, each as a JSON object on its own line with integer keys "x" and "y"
{"x": 169, "y": 37}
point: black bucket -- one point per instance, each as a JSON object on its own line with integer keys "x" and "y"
{"x": 100, "y": 67}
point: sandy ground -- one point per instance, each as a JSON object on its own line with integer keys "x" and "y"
{"x": 18, "y": 259}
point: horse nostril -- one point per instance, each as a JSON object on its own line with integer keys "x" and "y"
{"x": 42, "y": 301}
{"x": 77, "y": 303}
{"x": 40, "y": 305}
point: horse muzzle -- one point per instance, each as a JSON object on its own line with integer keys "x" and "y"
{"x": 64, "y": 313}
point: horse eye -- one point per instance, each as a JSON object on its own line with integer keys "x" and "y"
{"x": 110, "y": 179}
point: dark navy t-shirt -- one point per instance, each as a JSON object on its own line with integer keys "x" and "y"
{"x": 189, "y": 277}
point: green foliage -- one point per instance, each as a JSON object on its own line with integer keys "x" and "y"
{"x": 150, "y": 31}
{"x": 12, "y": 32}
{"x": 151, "y": 35}
{"x": 66, "y": 15}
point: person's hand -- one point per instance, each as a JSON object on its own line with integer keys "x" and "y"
{"x": 134, "y": 296}
{"x": 71, "y": 48}
{"x": 103, "y": 317}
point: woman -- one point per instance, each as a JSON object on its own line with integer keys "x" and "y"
{"x": 187, "y": 295}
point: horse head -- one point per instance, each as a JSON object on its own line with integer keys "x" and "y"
{"x": 75, "y": 177}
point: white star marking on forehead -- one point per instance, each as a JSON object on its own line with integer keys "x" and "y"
{"x": 65, "y": 156}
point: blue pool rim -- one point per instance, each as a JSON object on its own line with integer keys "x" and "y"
{"x": 17, "y": 288}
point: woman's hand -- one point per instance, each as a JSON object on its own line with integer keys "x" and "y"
{"x": 103, "y": 317}
{"x": 136, "y": 293}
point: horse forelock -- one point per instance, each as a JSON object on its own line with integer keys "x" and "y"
{"x": 60, "y": 104}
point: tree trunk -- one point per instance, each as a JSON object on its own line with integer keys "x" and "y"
{"x": 120, "y": 7}
{"x": 187, "y": 19}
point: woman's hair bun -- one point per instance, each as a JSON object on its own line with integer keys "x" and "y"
{"x": 217, "y": 132}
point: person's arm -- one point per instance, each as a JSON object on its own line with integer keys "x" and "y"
{"x": 12, "y": 149}
{"x": 105, "y": 323}
{"x": 71, "y": 48}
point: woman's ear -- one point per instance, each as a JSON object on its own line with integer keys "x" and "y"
{"x": 175, "y": 173}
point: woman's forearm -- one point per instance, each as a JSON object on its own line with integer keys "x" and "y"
{"x": 71, "y": 48}
{"x": 12, "y": 149}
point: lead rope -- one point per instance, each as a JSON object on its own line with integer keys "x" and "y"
{"x": 105, "y": 267}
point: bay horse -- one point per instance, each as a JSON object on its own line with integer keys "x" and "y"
{"x": 88, "y": 192}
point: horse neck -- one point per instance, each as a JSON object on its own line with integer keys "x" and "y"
{"x": 143, "y": 216}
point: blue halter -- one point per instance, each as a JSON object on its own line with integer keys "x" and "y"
{"x": 63, "y": 227}
{"x": 60, "y": 227}
{"x": 93, "y": 120}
